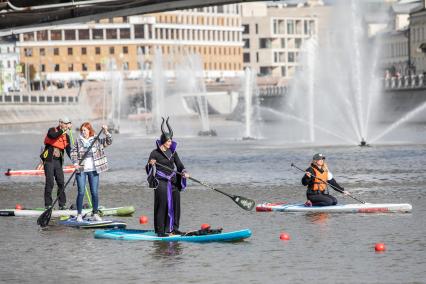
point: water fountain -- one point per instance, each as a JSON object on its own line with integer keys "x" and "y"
{"x": 337, "y": 89}
{"x": 251, "y": 104}
{"x": 158, "y": 90}
{"x": 190, "y": 80}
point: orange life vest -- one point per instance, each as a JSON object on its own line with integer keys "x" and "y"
{"x": 318, "y": 184}
{"x": 61, "y": 142}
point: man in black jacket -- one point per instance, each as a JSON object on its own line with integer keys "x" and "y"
{"x": 56, "y": 142}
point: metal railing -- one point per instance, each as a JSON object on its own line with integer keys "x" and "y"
{"x": 405, "y": 82}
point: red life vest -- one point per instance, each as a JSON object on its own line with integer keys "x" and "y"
{"x": 61, "y": 142}
{"x": 318, "y": 184}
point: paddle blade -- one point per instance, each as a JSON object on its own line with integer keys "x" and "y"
{"x": 44, "y": 218}
{"x": 245, "y": 203}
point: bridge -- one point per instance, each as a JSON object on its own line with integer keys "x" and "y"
{"x": 18, "y": 16}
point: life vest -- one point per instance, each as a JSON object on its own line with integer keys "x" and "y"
{"x": 61, "y": 142}
{"x": 318, "y": 184}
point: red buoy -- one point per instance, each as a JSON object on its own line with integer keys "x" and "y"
{"x": 18, "y": 206}
{"x": 380, "y": 247}
{"x": 143, "y": 219}
{"x": 205, "y": 226}
{"x": 284, "y": 237}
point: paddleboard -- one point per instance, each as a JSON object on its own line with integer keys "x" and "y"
{"x": 149, "y": 235}
{"x": 35, "y": 212}
{"x": 345, "y": 208}
{"x": 10, "y": 172}
{"x": 92, "y": 224}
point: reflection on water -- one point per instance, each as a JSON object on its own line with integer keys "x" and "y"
{"x": 317, "y": 218}
{"x": 167, "y": 249}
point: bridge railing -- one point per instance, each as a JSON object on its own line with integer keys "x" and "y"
{"x": 40, "y": 97}
{"x": 405, "y": 82}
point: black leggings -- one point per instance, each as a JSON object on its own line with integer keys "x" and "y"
{"x": 322, "y": 199}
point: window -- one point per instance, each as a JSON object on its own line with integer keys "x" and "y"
{"x": 42, "y": 35}
{"x": 290, "y": 27}
{"x": 246, "y": 29}
{"x": 111, "y": 34}
{"x": 56, "y": 35}
{"x": 42, "y": 52}
{"x": 246, "y": 57}
{"x": 69, "y": 50}
{"x": 70, "y": 67}
{"x": 111, "y": 50}
{"x": 257, "y": 56}
{"x": 298, "y": 42}
{"x": 265, "y": 43}
{"x": 69, "y": 34}
{"x": 246, "y": 43}
{"x": 83, "y": 34}
{"x": 283, "y": 43}
{"x": 125, "y": 33}
{"x": 57, "y": 69}
{"x": 28, "y": 52}
{"x": 140, "y": 33}
{"x": 265, "y": 71}
{"x": 98, "y": 33}
{"x": 56, "y": 51}
{"x": 291, "y": 57}
{"x": 257, "y": 28}
{"x": 43, "y": 68}
{"x": 283, "y": 71}
{"x": 125, "y": 50}
{"x": 279, "y": 26}
{"x": 98, "y": 50}
{"x": 29, "y": 36}
{"x": 125, "y": 65}
{"x": 98, "y": 67}
{"x": 83, "y": 51}
{"x": 84, "y": 67}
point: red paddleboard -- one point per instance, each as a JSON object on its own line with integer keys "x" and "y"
{"x": 9, "y": 172}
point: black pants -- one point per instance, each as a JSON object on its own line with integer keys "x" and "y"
{"x": 52, "y": 170}
{"x": 321, "y": 199}
{"x": 161, "y": 217}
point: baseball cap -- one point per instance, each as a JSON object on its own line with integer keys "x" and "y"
{"x": 318, "y": 156}
{"x": 65, "y": 120}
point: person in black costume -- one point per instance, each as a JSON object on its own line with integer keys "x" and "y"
{"x": 315, "y": 179}
{"x": 167, "y": 184}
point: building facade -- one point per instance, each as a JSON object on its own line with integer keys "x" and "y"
{"x": 9, "y": 59}
{"x": 417, "y": 46}
{"x": 87, "y": 51}
{"x": 274, "y": 34}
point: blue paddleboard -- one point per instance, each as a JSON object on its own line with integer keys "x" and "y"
{"x": 149, "y": 235}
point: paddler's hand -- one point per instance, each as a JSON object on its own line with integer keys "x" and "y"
{"x": 186, "y": 175}
{"x": 76, "y": 167}
{"x": 346, "y": 192}
{"x": 105, "y": 128}
{"x": 152, "y": 162}
{"x": 308, "y": 174}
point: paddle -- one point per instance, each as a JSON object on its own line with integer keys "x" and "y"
{"x": 245, "y": 203}
{"x": 87, "y": 190}
{"x": 334, "y": 187}
{"x": 44, "y": 218}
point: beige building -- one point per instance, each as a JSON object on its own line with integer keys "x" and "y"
{"x": 273, "y": 34}
{"x": 88, "y": 51}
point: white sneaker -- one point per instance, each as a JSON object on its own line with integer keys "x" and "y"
{"x": 96, "y": 217}
{"x": 79, "y": 218}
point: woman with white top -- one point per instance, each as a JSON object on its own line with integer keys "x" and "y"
{"x": 94, "y": 163}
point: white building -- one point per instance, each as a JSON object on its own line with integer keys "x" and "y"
{"x": 9, "y": 59}
{"x": 274, "y": 33}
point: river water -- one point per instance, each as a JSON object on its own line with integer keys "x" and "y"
{"x": 324, "y": 248}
